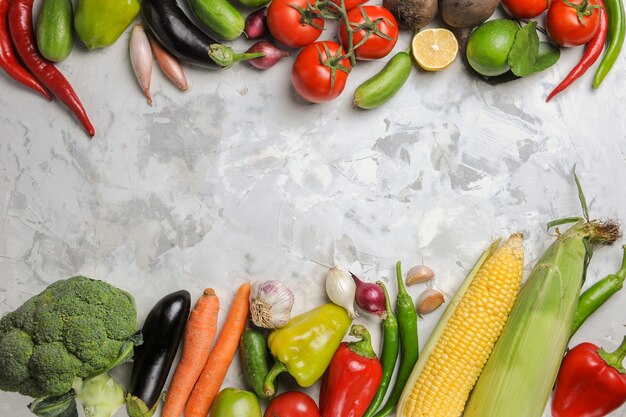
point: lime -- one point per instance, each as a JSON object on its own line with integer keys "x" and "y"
{"x": 489, "y": 46}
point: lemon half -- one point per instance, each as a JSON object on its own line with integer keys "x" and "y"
{"x": 434, "y": 49}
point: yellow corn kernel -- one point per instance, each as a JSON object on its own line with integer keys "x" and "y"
{"x": 462, "y": 348}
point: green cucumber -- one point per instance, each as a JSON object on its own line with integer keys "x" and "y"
{"x": 254, "y": 3}
{"x": 54, "y": 30}
{"x": 254, "y": 360}
{"x": 383, "y": 86}
{"x": 220, "y": 16}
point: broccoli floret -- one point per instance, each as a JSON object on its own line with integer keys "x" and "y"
{"x": 53, "y": 367}
{"x": 16, "y": 349}
{"x": 73, "y": 329}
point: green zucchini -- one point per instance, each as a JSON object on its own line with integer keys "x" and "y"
{"x": 54, "y": 30}
{"x": 383, "y": 86}
{"x": 254, "y": 360}
{"x": 220, "y": 17}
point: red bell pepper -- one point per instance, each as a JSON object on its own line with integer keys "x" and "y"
{"x": 352, "y": 378}
{"x": 591, "y": 382}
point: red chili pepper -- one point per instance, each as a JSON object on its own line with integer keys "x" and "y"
{"x": 591, "y": 382}
{"x": 591, "y": 55}
{"x": 9, "y": 62}
{"x": 352, "y": 378}
{"x": 21, "y": 29}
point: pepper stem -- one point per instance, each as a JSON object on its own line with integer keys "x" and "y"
{"x": 401, "y": 287}
{"x": 362, "y": 347}
{"x": 615, "y": 359}
{"x": 269, "y": 385}
{"x": 226, "y": 57}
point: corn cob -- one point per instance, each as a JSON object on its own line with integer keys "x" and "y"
{"x": 520, "y": 373}
{"x": 461, "y": 343}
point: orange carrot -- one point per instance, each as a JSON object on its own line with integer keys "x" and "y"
{"x": 221, "y": 356}
{"x": 199, "y": 335}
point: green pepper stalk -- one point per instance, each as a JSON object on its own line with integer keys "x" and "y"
{"x": 388, "y": 356}
{"x": 407, "y": 325}
{"x": 598, "y": 294}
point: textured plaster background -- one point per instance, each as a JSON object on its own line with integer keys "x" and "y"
{"x": 238, "y": 179}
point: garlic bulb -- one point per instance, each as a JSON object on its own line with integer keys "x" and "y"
{"x": 429, "y": 301}
{"x": 419, "y": 274}
{"x": 341, "y": 290}
{"x": 270, "y": 304}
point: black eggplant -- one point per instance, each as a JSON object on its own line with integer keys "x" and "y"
{"x": 178, "y": 35}
{"x": 162, "y": 332}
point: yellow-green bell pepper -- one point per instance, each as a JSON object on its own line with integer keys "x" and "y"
{"x": 305, "y": 346}
{"x": 99, "y": 23}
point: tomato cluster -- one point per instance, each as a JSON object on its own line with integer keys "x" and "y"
{"x": 321, "y": 69}
{"x": 569, "y": 23}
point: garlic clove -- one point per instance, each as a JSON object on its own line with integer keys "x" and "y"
{"x": 341, "y": 290}
{"x": 419, "y": 274}
{"x": 429, "y": 301}
{"x": 270, "y": 304}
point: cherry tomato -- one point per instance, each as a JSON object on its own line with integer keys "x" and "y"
{"x": 524, "y": 9}
{"x": 291, "y": 26}
{"x": 318, "y": 74}
{"x": 292, "y": 404}
{"x": 573, "y": 23}
{"x": 350, "y": 4}
{"x": 377, "y": 21}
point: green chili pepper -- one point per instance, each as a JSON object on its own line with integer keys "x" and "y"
{"x": 388, "y": 356}
{"x": 407, "y": 324}
{"x": 615, "y": 39}
{"x": 598, "y": 294}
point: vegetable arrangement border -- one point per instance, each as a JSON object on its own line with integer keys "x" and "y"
{"x": 492, "y": 341}
{"x": 495, "y": 51}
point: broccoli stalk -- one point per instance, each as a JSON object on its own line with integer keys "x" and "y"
{"x": 100, "y": 396}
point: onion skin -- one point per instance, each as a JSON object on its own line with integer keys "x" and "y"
{"x": 370, "y": 297}
{"x": 256, "y": 24}
{"x": 169, "y": 65}
{"x": 141, "y": 59}
{"x": 273, "y": 54}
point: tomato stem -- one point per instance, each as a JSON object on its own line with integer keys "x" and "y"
{"x": 583, "y": 9}
{"x": 349, "y": 32}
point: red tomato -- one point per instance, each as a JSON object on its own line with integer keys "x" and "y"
{"x": 524, "y": 9}
{"x": 314, "y": 69}
{"x": 285, "y": 23}
{"x": 350, "y": 4}
{"x": 292, "y": 404}
{"x": 565, "y": 27}
{"x": 376, "y": 20}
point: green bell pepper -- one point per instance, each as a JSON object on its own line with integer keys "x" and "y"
{"x": 305, "y": 346}
{"x": 99, "y": 23}
{"x": 231, "y": 402}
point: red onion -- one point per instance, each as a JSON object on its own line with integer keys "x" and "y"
{"x": 256, "y": 24}
{"x": 369, "y": 297}
{"x": 273, "y": 54}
